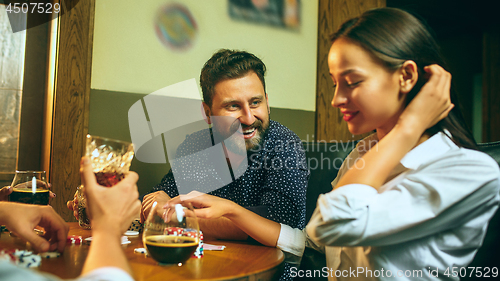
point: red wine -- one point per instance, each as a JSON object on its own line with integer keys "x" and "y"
{"x": 108, "y": 179}
{"x": 171, "y": 249}
{"x": 26, "y": 195}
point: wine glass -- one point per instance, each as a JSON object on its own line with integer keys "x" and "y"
{"x": 30, "y": 187}
{"x": 171, "y": 236}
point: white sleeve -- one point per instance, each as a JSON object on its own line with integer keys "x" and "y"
{"x": 292, "y": 242}
{"x": 421, "y": 202}
{"x": 106, "y": 274}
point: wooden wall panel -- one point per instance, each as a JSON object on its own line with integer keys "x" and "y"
{"x": 330, "y": 126}
{"x": 71, "y": 103}
{"x": 491, "y": 85}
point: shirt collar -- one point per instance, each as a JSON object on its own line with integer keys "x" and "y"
{"x": 429, "y": 149}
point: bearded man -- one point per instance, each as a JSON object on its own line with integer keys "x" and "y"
{"x": 274, "y": 179}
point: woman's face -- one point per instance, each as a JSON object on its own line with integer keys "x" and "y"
{"x": 367, "y": 94}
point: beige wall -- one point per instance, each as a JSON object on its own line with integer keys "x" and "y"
{"x": 128, "y": 57}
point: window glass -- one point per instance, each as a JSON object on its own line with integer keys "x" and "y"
{"x": 12, "y": 47}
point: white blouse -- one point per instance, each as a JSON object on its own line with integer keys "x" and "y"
{"x": 429, "y": 217}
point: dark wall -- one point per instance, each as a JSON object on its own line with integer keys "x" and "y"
{"x": 458, "y": 26}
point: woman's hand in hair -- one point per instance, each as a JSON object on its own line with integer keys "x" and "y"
{"x": 431, "y": 104}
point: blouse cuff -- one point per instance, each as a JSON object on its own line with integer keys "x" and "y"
{"x": 292, "y": 242}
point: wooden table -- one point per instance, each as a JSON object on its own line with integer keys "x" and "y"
{"x": 238, "y": 261}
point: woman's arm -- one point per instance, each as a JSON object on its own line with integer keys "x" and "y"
{"x": 452, "y": 187}
{"x": 212, "y": 207}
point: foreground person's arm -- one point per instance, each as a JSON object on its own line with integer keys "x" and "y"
{"x": 111, "y": 210}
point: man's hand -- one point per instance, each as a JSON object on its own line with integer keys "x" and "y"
{"x": 23, "y": 218}
{"x": 108, "y": 207}
{"x": 147, "y": 203}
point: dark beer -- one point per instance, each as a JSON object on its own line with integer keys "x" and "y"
{"x": 108, "y": 179}
{"x": 171, "y": 249}
{"x": 26, "y": 195}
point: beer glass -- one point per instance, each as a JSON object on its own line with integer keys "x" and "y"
{"x": 30, "y": 187}
{"x": 171, "y": 236}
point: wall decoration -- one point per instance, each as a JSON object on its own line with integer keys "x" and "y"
{"x": 279, "y": 13}
{"x": 176, "y": 27}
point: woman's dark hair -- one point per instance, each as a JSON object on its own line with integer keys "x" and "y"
{"x": 228, "y": 64}
{"x": 395, "y": 36}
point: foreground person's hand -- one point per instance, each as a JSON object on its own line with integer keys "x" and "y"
{"x": 109, "y": 207}
{"x": 21, "y": 219}
{"x": 110, "y": 210}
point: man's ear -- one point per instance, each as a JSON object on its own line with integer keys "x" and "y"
{"x": 205, "y": 112}
{"x": 408, "y": 76}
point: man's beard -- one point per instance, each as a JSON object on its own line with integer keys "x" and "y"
{"x": 260, "y": 131}
{"x": 234, "y": 142}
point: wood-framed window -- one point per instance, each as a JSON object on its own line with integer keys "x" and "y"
{"x": 55, "y": 103}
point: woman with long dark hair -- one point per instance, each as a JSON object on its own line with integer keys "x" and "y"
{"x": 413, "y": 200}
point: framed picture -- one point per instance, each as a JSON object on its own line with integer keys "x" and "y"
{"x": 278, "y": 13}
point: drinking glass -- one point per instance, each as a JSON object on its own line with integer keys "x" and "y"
{"x": 171, "y": 236}
{"x": 30, "y": 187}
{"x": 110, "y": 159}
